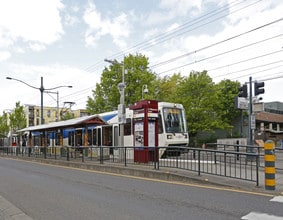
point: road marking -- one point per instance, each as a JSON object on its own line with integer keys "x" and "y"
{"x": 261, "y": 216}
{"x": 151, "y": 179}
{"x": 277, "y": 199}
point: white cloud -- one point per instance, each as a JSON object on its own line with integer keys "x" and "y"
{"x": 70, "y": 20}
{"x": 180, "y": 7}
{"x": 171, "y": 9}
{"x": 37, "y": 47}
{"x": 36, "y": 21}
{"x": 4, "y": 55}
{"x": 117, "y": 28}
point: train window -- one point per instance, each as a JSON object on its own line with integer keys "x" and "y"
{"x": 174, "y": 121}
{"x": 128, "y": 127}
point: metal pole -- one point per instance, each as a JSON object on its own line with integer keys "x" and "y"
{"x": 41, "y": 92}
{"x": 250, "y": 114}
{"x": 122, "y": 102}
{"x": 57, "y": 112}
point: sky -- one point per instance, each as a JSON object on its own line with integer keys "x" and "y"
{"x": 66, "y": 41}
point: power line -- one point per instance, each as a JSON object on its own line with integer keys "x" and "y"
{"x": 174, "y": 33}
{"x": 215, "y": 44}
{"x": 250, "y": 68}
{"x": 220, "y": 54}
{"x": 246, "y": 60}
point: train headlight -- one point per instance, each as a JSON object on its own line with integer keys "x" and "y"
{"x": 186, "y": 136}
{"x": 169, "y": 136}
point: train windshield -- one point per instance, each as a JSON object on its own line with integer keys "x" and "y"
{"x": 174, "y": 120}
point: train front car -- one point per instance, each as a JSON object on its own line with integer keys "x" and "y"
{"x": 173, "y": 132}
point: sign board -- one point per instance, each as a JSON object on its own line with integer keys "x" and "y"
{"x": 241, "y": 103}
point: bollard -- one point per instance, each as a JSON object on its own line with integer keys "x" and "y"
{"x": 269, "y": 160}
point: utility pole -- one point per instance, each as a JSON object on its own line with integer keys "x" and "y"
{"x": 250, "y": 112}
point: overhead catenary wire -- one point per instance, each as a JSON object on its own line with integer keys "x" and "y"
{"x": 90, "y": 67}
{"x": 160, "y": 38}
{"x": 217, "y": 43}
{"x": 219, "y": 54}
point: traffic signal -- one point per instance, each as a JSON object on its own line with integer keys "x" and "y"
{"x": 243, "y": 91}
{"x": 259, "y": 88}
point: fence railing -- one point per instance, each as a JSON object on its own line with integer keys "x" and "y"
{"x": 239, "y": 164}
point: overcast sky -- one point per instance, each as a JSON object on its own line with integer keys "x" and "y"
{"x": 66, "y": 42}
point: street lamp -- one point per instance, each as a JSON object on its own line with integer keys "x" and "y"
{"x": 121, "y": 107}
{"x": 41, "y": 89}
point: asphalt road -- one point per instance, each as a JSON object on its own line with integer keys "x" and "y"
{"x": 50, "y": 192}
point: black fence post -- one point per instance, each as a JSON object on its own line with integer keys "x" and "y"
{"x": 83, "y": 156}
{"x": 199, "y": 162}
{"x": 68, "y": 154}
{"x": 101, "y": 155}
{"x": 125, "y": 155}
{"x": 257, "y": 170}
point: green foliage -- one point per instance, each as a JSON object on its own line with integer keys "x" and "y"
{"x": 17, "y": 118}
{"x": 199, "y": 97}
{"x": 208, "y": 105}
{"x": 106, "y": 95}
{"x": 67, "y": 115}
{"x": 4, "y": 127}
{"x": 167, "y": 87}
{"x": 227, "y": 91}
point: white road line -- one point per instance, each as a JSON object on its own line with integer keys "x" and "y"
{"x": 277, "y": 199}
{"x": 261, "y": 216}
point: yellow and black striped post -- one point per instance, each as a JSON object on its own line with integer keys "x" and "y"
{"x": 269, "y": 160}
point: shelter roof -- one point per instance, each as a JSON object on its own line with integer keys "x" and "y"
{"x": 71, "y": 123}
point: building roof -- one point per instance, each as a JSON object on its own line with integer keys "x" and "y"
{"x": 269, "y": 117}
{"x": 75, "y": 122}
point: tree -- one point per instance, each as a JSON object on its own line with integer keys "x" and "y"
{"x": 227, "y": 91}
{"x": 167, "y": 87}
{"x": 4, "y": 126}
{"x": 198, "y": 95}
{"x": 106, "y": 96}
{"x": 17, "y": 118}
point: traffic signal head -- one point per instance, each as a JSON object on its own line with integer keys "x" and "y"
{"x": 259, "y": 88}
{"x": 243, "y": 91}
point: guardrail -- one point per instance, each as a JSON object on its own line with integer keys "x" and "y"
{"x": 215, "y": 161}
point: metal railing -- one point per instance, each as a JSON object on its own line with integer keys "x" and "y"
{"x": 220, "y": 160}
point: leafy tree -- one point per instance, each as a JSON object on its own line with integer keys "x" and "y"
{"x": 227, "y": 91}
{"x": 106, "y": 95}
{"x": 167, "y": 87}
{"x": 198, "y": 95}
{"x": 4, "y": 126}
{"x": 17, "y": 118}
